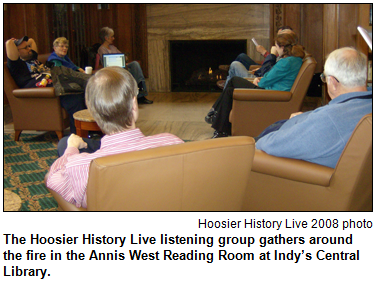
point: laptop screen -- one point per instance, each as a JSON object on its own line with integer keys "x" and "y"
{"x": 110, "y": 60}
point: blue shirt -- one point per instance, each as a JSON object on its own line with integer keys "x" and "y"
{"x": 62, "y": 61}
{"x": 318, "y": 136}
{"x": 282, "y": 76}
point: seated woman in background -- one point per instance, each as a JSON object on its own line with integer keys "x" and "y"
{"x": 106, "y": 34}
{"x": 59, "y": 57}
{"x": 281, "y": 77}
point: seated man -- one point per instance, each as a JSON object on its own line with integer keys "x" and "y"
{"x": 243, "y": 63}
{"x": 111, "y": 97}
{"x": 28, "y": 72}
{"x": 319, "y": 136}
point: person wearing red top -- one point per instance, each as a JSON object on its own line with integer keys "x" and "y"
{"x": 111, "y": 97}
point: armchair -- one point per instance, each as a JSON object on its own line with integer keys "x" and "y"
{"x": 209, "y": 175}
{"x": 284, "y": 184}
{"x": 255, "y": 109}
{"x": 34, "y": 108}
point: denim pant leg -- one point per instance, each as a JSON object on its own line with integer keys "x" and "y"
{"x": 92, "y": 146}
{"x": 245, "y": 60}
{"x": 135, "y": 69}
{"x": 73, "y": 103}
{"x": 237, "y": 69}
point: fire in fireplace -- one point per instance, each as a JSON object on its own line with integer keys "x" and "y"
{"x": 195, "y": 63}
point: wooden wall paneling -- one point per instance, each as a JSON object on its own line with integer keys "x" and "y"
{"x": 123, "y": 29}
{"x": 292, "y": 18}
{"x": 312, "y": 32}
{"x": 347, "y": 24}
{"x": 363, "y": 21}
{"x": 330, "y": 28}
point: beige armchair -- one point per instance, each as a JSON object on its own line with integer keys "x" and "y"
{"x": 208, "y": 175}
{"x": 255, "y": 109}
{"x": 283, "y": 184}
{"x": 36, "y": 109}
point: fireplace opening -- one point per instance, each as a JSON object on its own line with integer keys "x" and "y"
{"x": 195, "y": 63}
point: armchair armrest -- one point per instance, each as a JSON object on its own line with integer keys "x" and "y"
{"x": 261, "y": 95}
{"x": 40, "y": 92}
{"x": 292, "y": 169}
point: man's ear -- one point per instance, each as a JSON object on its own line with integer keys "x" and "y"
{"x": 333, "y": 82}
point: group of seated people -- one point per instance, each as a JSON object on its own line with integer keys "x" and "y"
{"x": 111, "y": 95}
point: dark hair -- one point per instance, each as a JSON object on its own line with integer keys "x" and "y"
{"x": 285, "y": 27}
{"x": 290, "y": 47}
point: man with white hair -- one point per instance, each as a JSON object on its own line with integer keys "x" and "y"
{"x": 319, "y": 136}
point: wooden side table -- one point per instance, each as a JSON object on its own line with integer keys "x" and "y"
{"x": 84, "y": 123}
{"x": 12, "y": 202}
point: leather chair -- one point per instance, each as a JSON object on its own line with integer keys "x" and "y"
{"x": 36, "y": 109}
{"x": 255, "y": 109}
{"x": 208, "y": 175}
{"x": 284, "y": 184}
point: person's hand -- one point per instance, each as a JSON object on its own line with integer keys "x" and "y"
{"x": 81, "y": 70}
{"x": 274, "y": 51}
{"x": 295, "y": 114}
{"x": 261, "y": 49}
{"x": 76, "y": 141}
{"x": 256, "y": 81}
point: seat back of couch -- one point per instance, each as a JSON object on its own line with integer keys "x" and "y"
{"x": 353, "y": 173}
{"x": 208, "y": 175}
{"x": 302, "y": 81}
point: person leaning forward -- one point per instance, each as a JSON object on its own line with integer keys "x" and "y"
{"x": 28, "y": 72}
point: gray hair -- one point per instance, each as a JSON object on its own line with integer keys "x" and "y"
{"x": 109, "y": 97}
{"x": 60, "y": 40}
{"x": 105, "y": 32}
{"x": 348, "y": 66}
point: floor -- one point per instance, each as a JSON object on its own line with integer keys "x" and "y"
{"x": 179, "y": 113}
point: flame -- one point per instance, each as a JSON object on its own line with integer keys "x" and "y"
{"x": 210, "y": 71}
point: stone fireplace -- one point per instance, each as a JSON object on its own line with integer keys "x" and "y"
{"x": 201, "y": 22}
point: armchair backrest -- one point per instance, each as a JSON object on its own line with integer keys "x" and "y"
{"x": 353, "y": 173}
{"x": 208, "y": 175}
{"x": 303, "y": 80}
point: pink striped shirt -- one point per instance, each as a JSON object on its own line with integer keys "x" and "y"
{"x": 69, "y": 174}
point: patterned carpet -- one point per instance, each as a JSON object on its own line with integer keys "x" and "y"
{"x": 26, "y": 162}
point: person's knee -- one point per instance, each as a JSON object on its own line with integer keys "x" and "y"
{"x": 62, "y": 146}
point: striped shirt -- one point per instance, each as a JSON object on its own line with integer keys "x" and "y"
{"x": 69, "y": 174}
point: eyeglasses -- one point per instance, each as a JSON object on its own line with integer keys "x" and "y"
{"x": 26, "y": 47}
{"x": 323, "y": 77}
{"x": 63, "y": 46}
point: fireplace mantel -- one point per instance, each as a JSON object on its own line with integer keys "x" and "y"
{"x": 200, "y": 22}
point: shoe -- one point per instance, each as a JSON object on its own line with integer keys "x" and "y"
{"x": 224, "y": 67}
{"x": 221, "y": 84}
{"x": 212, "y": 115}
{"x": 144, "y": 100}
{"x": 219, "y": 135}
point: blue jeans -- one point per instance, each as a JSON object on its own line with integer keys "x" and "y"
{"x": 237, "y": 69}
{"x": 245, "y": 60}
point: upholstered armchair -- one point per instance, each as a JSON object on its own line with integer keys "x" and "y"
{"x": 255, "y": 109}
{"x": 36, "y": 109}
{"x": 284, "y": 184}
{"x": 209, "y": 175}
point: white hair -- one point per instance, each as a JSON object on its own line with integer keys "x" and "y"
{"x": 348, "y": 66}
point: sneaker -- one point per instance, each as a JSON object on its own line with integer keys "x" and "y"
{"x": 221, "y": 84}
{"x": 219, "y": 135}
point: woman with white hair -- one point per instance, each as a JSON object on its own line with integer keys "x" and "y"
{"x": 59, "y": 57}
{"x": 106, "y": 34}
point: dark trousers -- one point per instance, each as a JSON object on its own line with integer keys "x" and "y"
{"x": 92, "y": 146}
{"x": 223, "y": 105}
{"x": 73, "y": 103}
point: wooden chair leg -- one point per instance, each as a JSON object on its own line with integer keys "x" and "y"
{"x": 17, "y": 134}
{"x": 59, "y": 134}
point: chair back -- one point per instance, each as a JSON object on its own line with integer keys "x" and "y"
{"x": 208, "y": 175}
{"x": 302, "y": 81}
{"x": 353, "y": 173}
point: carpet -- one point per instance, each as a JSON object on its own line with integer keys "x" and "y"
{"x": 26, "y": 162}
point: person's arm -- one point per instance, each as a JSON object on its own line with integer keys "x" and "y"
{"x": 58, "y": 178}
{"x": 303, "y": 137}
{"x": 11, "y": 49}
{"x": 33, "y": 44}
{"x": 81, "y": 70}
